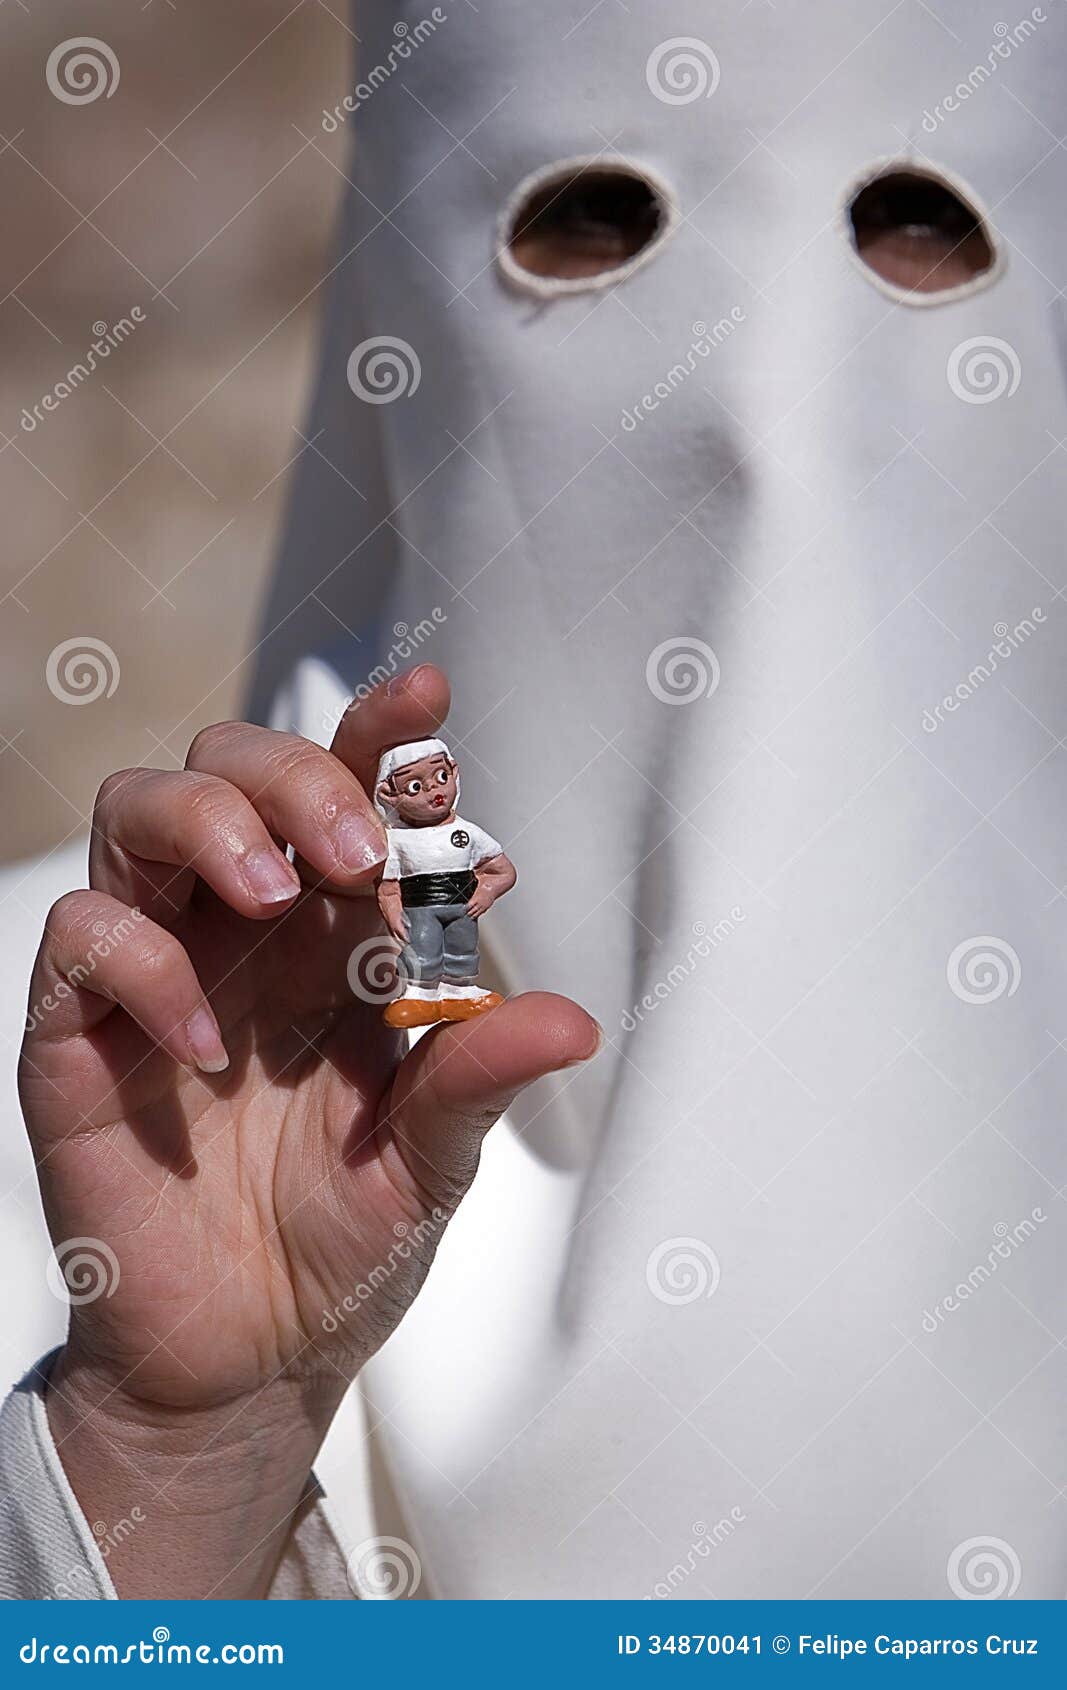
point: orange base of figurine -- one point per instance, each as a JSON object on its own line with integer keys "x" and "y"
{"x": 416, "y": 1012}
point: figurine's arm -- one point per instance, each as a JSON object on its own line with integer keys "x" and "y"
{"x": 495, "y": 877}
{"x": 392, "y": 908}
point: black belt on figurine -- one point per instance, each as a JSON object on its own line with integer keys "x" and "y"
{"x": 418, "y": 890}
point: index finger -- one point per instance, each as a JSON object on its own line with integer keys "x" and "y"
{"x": 410, "y": 706}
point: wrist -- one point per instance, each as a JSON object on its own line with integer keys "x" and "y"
{"x": 214, "y": 1490}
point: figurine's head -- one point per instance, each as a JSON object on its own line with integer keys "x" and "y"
{"x": 418, "y": 784}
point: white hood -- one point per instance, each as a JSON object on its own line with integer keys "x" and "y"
{"x": 696, "y": 656}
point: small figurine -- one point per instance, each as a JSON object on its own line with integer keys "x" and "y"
{"x": 441, "y": 874}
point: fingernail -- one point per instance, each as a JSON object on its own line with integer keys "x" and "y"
{"x": 579, "y": 1061}
{"x": 359, "y": 844}
{"x": 400, "y": 683}
{"x": 205, "y": 1042}
{"x": 270, "y": 877}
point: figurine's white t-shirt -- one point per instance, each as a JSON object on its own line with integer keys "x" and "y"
{"x": 451, "y": 847}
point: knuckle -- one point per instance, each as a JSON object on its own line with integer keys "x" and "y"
{"x": 71, "y": 914}
{"x": 211, "y": 804}
{"x": 115, "y": 787}
{"x": 297, "y": 762}
{"x": 304, "y": 773}
{"x": 206, "y": 744}
{"x": 159, "y": 955}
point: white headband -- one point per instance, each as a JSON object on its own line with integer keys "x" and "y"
{"x": 401, "y": 755}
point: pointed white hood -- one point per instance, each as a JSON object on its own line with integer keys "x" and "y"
{"x": 694, "y": 658}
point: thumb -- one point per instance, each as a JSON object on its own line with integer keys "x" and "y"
{"x": 459, "y": 1079}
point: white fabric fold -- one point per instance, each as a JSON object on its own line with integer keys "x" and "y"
{"x": 49, "y": 1551}
{"x": 47, "y": 1547}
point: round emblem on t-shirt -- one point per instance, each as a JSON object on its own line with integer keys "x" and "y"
{"x": 460, "y": 838}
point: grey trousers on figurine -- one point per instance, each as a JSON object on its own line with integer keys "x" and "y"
{"x": 443, "y": 944}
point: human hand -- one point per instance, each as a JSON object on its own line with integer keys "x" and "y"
{"x": 242, "y": 1205}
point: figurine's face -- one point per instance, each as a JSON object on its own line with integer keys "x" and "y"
{"x": 423, "y": 793}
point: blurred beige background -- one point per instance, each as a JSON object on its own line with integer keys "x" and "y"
{"x": 142, "y": 510}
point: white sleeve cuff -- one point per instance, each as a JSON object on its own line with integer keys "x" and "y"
{"x": 49, "y": 1552}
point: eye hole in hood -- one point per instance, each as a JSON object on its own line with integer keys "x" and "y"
{"x": 920, "y": 235}
{"x": 583, "y": 224}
